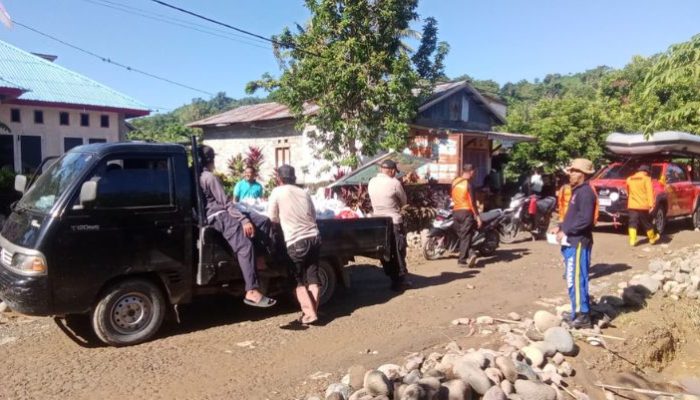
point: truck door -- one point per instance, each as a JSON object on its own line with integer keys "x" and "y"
{"x": 682, "y": 190}
{"x": 134, "y": 226}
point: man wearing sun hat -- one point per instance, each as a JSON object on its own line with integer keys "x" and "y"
{"x": 575, "y": 234}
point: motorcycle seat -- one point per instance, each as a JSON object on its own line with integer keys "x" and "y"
{"x": 546, "y": 204}
{"x": 489, "y": 216}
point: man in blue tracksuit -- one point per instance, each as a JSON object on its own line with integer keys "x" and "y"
{"x": 577, "y": 230}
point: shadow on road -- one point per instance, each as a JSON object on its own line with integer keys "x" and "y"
{"x": 601, "y": 270}
{"x": 502, "y": 255}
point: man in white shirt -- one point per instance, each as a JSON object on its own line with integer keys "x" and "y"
{"x": 292, "y": 208}
{"x": 388, "y": 197}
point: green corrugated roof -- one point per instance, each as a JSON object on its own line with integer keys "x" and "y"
{"x": 46, "y": 81}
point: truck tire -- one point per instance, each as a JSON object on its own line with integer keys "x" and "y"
{"x": 329, "y": 280}
{"x": 660, "y": 219}
{"x": 129, "y": 312}
{"x": 696, "y": 217}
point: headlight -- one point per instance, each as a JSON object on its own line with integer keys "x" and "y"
{"x": 28, "y": 265}
{"x": 614, "y": 196}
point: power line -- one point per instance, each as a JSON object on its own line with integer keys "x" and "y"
{"x": 110, "y": 61}
{"x": 177, "y": 22}
{"x": 255, "y": 35}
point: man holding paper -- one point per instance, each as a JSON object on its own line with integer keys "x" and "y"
{"x": 575, "y": 234}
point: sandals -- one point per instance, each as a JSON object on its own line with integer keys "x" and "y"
{"x": 264, "y": 302}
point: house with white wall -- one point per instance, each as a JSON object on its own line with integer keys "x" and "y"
{"x": 50, "y": 109}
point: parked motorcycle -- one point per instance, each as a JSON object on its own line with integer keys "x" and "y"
{"x": 526, "y": 214}
{"x": 442, "y": 238}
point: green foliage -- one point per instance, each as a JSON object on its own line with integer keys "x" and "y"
{"x": 348, "y": 61}
{"x": 170, "y": 127}
{"x": 430, "y": 57}
{"x": 7, "y": 179}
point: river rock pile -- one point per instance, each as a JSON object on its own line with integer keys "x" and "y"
{"x": 530, "y": 365}
{"x": 676, "y": 276}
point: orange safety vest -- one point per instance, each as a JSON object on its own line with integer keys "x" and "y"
{"x": 640, "y": 192}
{"x": 564, "y": 197}
{"x": 461, "y": 197}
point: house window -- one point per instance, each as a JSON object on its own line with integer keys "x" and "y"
{"x": 70, "y": 142}
{"x": 15, "y": 115}
{"x": 282, "y": 156}
{"x": 465, "y": 109}
{"x": 38, "y": 117}
{"x": 84, "y": 119}
{"x": 104, "y": 121}
{"x": 64, "y": 118}
{"x": 92, "y": 141}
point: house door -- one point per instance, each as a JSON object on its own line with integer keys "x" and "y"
{"x": 30, "y": 153}
{"x": 7, "y": 152}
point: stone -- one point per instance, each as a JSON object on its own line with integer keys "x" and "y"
{"x": 580, "y": 395}
{"x": 622, "y": 285}
{"x": 432, "y": 385}
{"x": 514, "y": 316}
{"x": 484, "y": 320}
{"x": 357, "y": 376}
{"x": 680, "y": 277}
{"x": 669, "y": 285}
{"x": 377, "y": 383}
{"x": 694, "y": 282}
{"x": 4, "y": 307}
{"x": 507, "y": 387}
{"x": 561, "y": 339}
{"x": 453, "y": 347}
{"x": 461, "y": 321}
{"x": 558, "y": 358}
{"x": 548, "y": 349}
{"x": 504, "y": 328}
{"x": 345, "y": 379}
{"x": 656, "y": 265}
{"x": 524, "y": 370}
{"x": 434, "y": 374}
{"x": 507, "y": 368}
{"x": 516, "y": 341}
{"x": 649, "y": 283}
{"x": 545, "y": 320}
{"x": 659, "y": 276}
{"x": 412, "y": 376}
{"x": 530, "y": 390}
{"x": 674, "y": 297}
{"x": 413, "y": 392}
{"x": 475, "y": 358}
{"x": 431, "y": 362}
{"x": 533, "y": 355}
{"x": 565, "y": 369}
{"x": 392, "y": 371}
{"x": 494, "y": 374}
{"x": 455, "y": 389}
{"x": 494, "y": 393}
{"x": 362, "y": 394}
{"x": 473, "y": 376}
{"x": 490, "y": 356}
{"x": 549, "y": 368}
{"x": 339, "y": 389}
{"x": 686, "y": 267}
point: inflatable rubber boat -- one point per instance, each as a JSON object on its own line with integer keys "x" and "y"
{"x": 668, "y": 142}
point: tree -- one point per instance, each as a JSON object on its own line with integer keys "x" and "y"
{"x": 430, "y": 57}
{"x": 347, "y": 62}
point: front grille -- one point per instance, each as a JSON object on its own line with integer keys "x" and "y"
{"x": 6, "y": 257}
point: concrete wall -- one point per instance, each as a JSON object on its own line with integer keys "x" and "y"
{"x": 269, "y": 136}
{"x": 52, "y": 134}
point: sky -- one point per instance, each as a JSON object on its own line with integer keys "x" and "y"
{"x": 503, "y": 40}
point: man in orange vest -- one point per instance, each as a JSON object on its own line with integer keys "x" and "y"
{"x": 640, "y": 203}
{"x": 466, "y": 216}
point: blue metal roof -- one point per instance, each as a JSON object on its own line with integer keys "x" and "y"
{"x": 45, "y": 81}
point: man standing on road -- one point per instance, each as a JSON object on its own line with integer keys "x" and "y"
{"x": 640, "y": 204}
{"x": 248, "y": 187}
{"x": 236, "y": 228}
{"x": 576, "y": 236}
{"x": 466, "y": 216}
{"x": 292, "y": 208}
{"x": 388, "y": 197}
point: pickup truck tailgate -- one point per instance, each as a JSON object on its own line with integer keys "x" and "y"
{"x": 345, "y": 238}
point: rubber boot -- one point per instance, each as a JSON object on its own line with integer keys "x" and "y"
{"x": 582, "y": 321}
{"x": 633, "y": 236}
{"x": 653, "y": 236}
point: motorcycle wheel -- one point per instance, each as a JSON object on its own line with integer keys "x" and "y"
{"x": 488, "y": 248}
{"x": 431, "y": 248}
{"x": 508, "y": 231}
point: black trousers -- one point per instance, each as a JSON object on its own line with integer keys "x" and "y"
{"x": 396, "y": 267}
{"x": 464, "y": 224}
{"x": 640, "y": 218}
{"x": 305, "y": 254}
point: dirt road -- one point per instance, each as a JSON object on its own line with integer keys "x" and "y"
{"x": 223, "y": 349}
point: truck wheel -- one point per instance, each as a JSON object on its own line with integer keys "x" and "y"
{"x": 129, "y": 312}
{"x": 696, "y": 217}
{"x": 329, "y": 280}
{"x": 660, "y": 220}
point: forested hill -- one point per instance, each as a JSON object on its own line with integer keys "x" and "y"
{"x": 170, "y": 127}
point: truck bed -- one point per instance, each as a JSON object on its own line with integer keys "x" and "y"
{"x": 346, "y": 238}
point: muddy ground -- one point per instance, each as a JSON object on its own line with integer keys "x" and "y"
{"x": 223, "y": 349}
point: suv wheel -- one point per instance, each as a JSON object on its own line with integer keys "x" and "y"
{"x": 660, "y": 220}
{"x": 696, "y": 217}
{"x": 129, "y": 312}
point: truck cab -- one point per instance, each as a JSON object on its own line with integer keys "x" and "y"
{"x": 675, "y": 193}
{"x": 115, "y": 232}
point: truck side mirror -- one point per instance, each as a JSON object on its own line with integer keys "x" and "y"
{"x": 20, "y": 183}
{"x": 88, "y": 192}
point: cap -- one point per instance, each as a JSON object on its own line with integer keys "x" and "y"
{"x": 467, "y": 168}
{"x": 583, "y": 165}
{"x": 644, "y": 168}
{"x": 286, "y": 172}
{"x": 389, "y": 164}
{"x": 206, "y": 153}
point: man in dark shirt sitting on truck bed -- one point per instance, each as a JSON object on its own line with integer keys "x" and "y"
{"x": 236, "y": 228}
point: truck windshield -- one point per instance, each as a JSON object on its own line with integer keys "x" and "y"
{"x": 42, "y": 195}
{"x": 623, "y": 171}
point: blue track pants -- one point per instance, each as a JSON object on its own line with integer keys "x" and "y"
{"x": 577, "y": 261}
